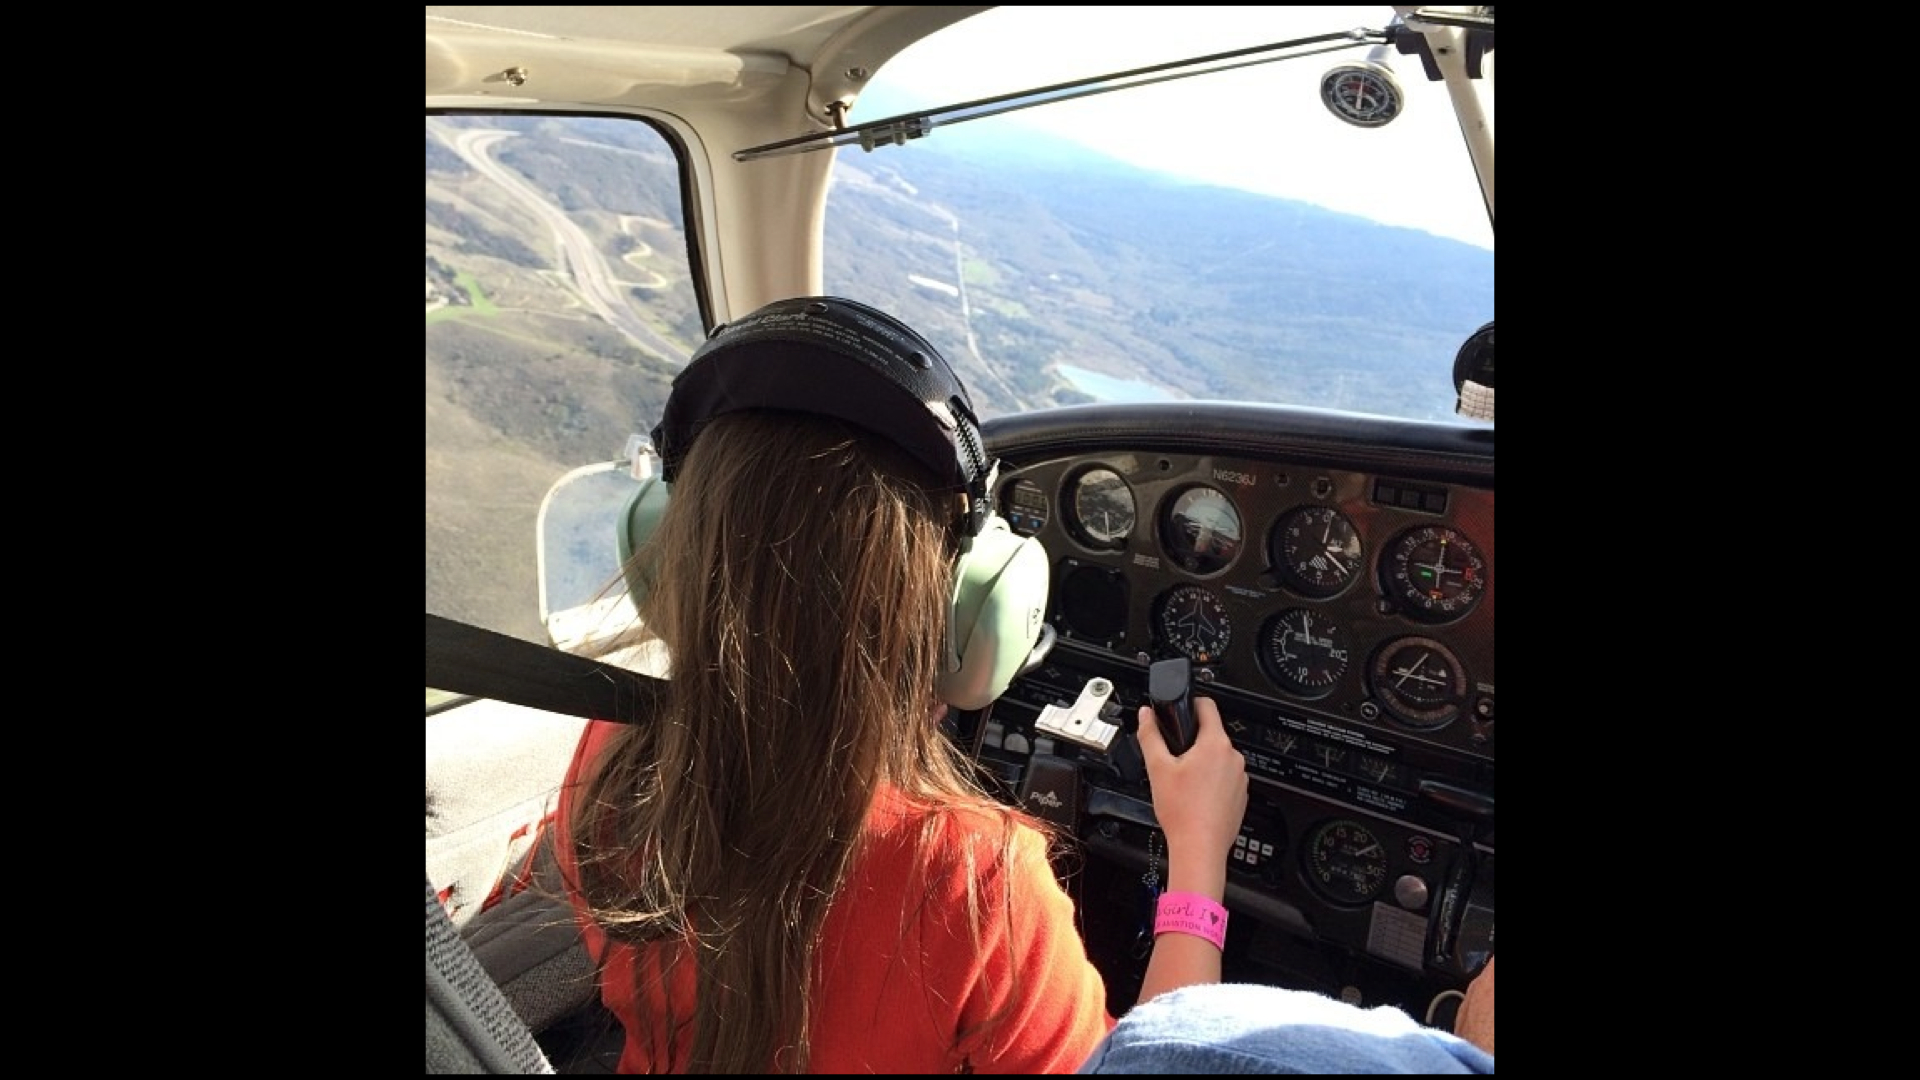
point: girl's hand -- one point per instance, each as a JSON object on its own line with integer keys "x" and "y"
{"x": 1199, "y": 797}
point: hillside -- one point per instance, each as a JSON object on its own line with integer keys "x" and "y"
{"x": 559, "y": 303}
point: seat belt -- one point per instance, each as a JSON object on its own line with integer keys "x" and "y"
{"x": 466, "y": 659}
{"x": 471, "y": 1027}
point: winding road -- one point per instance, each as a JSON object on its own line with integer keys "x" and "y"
{"x": 581, "y": 262}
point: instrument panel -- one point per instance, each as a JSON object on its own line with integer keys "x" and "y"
{"x": 1332, "y": 580}
{"x": 1359, "y": 596}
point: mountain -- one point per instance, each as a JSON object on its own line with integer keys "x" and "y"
{"x": 1252, "y": 297}
{"x": 1045, "y": 273}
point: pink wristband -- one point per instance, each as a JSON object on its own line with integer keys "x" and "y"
{"x": 1191, "y": 913}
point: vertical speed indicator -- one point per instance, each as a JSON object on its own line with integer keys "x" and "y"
{"x": 1303, "y": 651}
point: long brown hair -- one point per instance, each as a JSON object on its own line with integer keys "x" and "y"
{"x": 800, "y": 580}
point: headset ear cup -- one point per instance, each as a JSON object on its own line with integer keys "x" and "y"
{"x": 999, "y": 601}
{"x": 644, "y": 511}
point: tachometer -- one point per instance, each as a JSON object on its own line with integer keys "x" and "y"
{"x": 1345, "y": 862}
{"x": 1434, "y": 573}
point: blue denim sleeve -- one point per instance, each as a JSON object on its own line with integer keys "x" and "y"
{"x": 1247, "y": 1028}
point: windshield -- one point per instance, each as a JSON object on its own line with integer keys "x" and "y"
{"x": 1223, "y": 237}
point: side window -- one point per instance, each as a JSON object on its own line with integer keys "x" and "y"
{"x": 560, "y": 304}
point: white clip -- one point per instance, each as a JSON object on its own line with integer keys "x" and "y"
{"x": 1085, "y": 721}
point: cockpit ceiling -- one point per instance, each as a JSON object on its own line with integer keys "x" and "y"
{"x": 606, "y": 55}
{"x": 798, "y": 30}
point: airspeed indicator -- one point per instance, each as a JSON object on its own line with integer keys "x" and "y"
{"x": 1102, "y": 508}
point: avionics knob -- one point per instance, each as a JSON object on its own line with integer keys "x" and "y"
{"x": 1411, "y": 892}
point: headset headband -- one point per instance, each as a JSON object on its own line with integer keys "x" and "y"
{"x": 839, "y": 358}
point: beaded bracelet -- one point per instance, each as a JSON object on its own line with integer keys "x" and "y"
{"x": 1191, "y": 913}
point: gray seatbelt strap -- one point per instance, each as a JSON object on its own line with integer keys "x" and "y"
{"x": 470, "y": 1026}
{"x": 464, "y": 659}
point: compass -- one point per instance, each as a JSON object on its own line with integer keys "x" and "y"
{"x": 1365, "y": 94}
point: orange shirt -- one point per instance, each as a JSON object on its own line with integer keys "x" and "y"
{"x": 890, "y": 1000}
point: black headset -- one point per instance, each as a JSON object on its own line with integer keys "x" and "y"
{"x": 839, "y": 358}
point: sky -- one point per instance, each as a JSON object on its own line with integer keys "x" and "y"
{"x": 1262, "y": 128}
